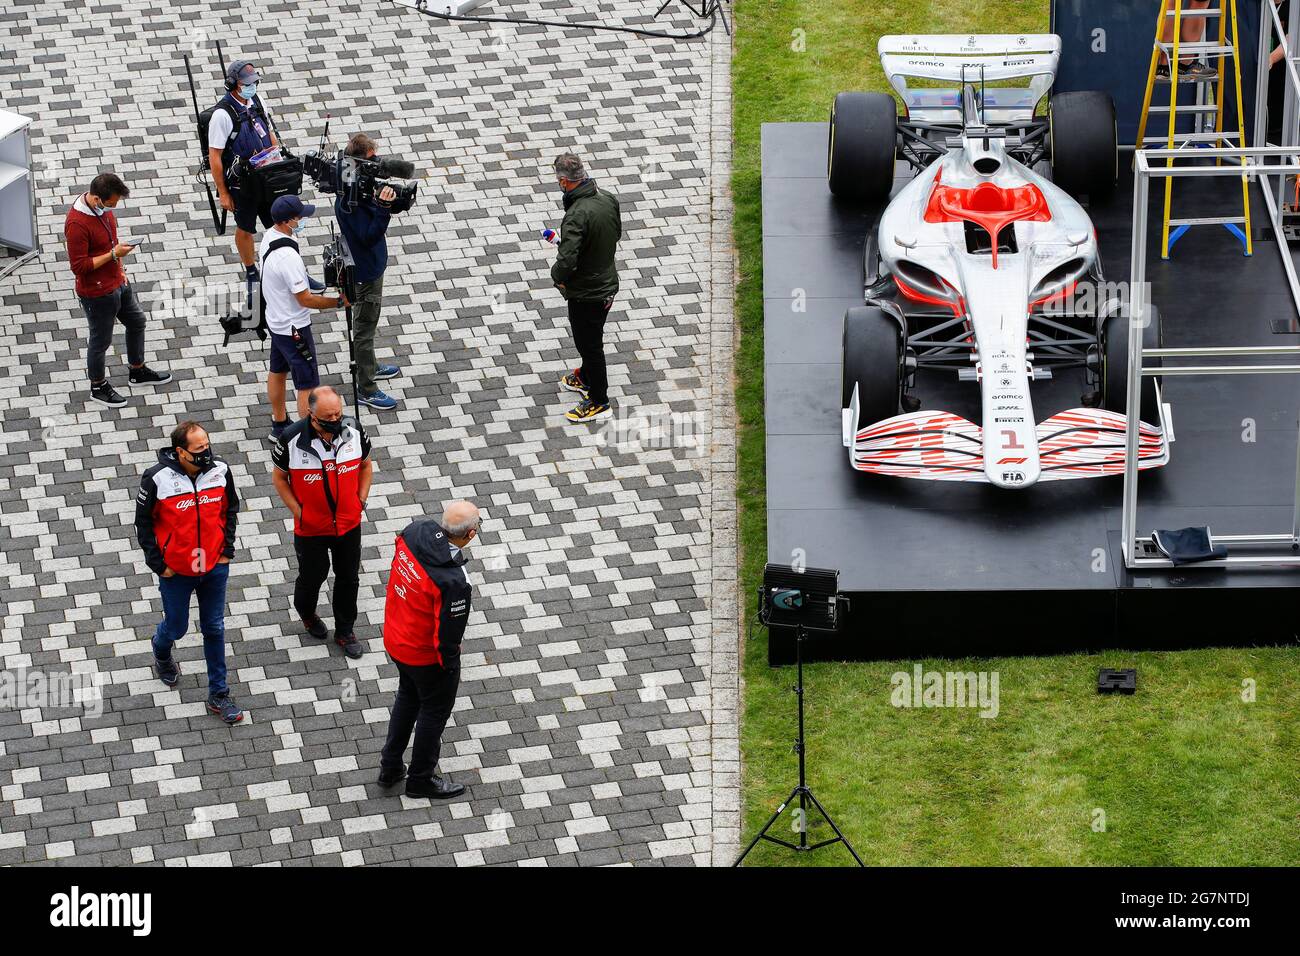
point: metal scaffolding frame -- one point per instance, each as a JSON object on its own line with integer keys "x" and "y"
{"x": 1260, "y": 165}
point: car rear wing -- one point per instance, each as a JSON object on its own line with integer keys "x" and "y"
{"x": 970, "y": 59}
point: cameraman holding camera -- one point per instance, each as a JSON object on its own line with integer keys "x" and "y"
{"x": 287, "y": 304}
{"x": 240, "y": 134}
{"x": 364, "y": 225}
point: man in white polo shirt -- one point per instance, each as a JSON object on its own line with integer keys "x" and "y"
{"x": 287, "y": 303}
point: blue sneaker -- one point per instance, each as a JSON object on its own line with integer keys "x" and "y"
{"x": 387, "y": 371}
{"x": 277, "y": 430}
{"x": 315, "y": 285}
{"x": 169, "y": 672}
{"x": 378, "y": 399}
{"x": 225, "y": 708}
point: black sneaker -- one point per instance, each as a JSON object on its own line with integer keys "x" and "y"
{"x": 351, "y": 646}
{"x": 588, "y": 411}
{"x": 1196, "y": 70}
{"x": 169, "y": 672}
{"x": 106, "y": 394}
{"x": 225, "y": 708}
{"x": 1162, "y": 70}
{"x": 391, "y": 778}
{"x": 144, "y": 375}
{"x": 435, "y": 788}
{"x": 277, "y": 430}
{"x": 316, "y": 627}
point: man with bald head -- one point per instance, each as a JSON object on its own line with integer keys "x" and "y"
{"x": 425, "y": 613}
{"x": 322, "y": 472}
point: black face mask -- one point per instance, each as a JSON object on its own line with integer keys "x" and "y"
{"x": 333, "y": 429}
{"x": 202, "y": 460}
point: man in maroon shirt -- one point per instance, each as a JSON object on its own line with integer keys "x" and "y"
{"x": 90, "y": 231}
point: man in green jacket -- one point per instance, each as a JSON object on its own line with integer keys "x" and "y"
{"x": 585, "y": 274}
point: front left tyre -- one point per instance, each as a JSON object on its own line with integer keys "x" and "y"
{"x": 1114, "y": 369}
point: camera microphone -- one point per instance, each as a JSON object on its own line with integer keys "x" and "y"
{"x": 396, "y": 168}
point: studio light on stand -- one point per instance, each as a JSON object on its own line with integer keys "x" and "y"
{"x": 805, "y": 599}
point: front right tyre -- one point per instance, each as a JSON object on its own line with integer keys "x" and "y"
{"x": 872, "y": 362}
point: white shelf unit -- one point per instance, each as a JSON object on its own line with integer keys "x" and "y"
{"x": 18, "y": 233}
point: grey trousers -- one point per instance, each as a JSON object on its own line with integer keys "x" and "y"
{"x": 365, "y": 321}
{"x": 102, "y": 311}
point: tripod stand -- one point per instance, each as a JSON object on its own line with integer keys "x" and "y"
{"x": 801, "y": 790}
{"x": 339, "y": 265}
{"x": 707, "y": 8}
{"x": 349, "y": 290}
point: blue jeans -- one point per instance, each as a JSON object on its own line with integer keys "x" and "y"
{"x": 176, "y": 591}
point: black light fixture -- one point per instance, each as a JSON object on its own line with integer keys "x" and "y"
{"x": 807, "y": 599}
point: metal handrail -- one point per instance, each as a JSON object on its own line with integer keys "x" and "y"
{"x": 1253, "y": 163}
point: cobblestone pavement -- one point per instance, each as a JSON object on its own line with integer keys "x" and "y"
{"x": 597, "y": 715}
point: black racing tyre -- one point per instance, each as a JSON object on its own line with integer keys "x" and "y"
{"x": 872, "y": 359}
{"x": 862, "y": 146}
{"x": 1114, "y": 366}
{"x": 1084, "y": 143}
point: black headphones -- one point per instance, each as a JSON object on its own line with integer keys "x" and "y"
{"x": 232, "y": 72}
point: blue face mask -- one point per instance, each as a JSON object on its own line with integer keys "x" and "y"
{"x": 297, "y": 230}
{"x": 248, "y": 90}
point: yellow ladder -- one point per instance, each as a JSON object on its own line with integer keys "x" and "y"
{"x": 1219, "y": 52}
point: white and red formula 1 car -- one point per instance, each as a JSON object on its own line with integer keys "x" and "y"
{"x": 973, "y": 268}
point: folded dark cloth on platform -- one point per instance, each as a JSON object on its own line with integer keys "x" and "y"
{"x": 1188, "y": 545}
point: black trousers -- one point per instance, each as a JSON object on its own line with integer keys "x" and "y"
{"x": 314, "y": 567}
{"x": 102, "y": 313}
{"x": 425, "y": 697}
{"x": 587, "y": 320}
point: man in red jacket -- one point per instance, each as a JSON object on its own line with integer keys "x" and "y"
{"x": 185, "y": 519}
{"x": 90, "y": 231}
{"x": 322, "y": 473}
{"x": 425, "y": 614}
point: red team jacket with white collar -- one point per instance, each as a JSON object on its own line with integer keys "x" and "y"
{"x": 325, "y": 479}
{"x": 182, "y": 523}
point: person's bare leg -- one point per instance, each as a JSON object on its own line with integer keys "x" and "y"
{"x": 244, "y": 245}
{"x": 275, "y": 393}
{"x": 304, "y": 395}
{"x": 1193, "y": 27}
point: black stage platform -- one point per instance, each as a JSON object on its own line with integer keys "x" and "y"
{"x": 950, "y": 568}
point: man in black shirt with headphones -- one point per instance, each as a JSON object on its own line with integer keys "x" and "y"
{"x": 241, "y": 136}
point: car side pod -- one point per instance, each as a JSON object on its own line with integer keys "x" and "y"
{"x": 942, "y": 446}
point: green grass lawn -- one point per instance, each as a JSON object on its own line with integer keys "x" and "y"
{"x": 1185, "y": 772}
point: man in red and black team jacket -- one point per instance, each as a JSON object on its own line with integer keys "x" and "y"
{"x": 322, "y": 472}
{"x": 185, "y": 521}
{"x": 424, "y": 621}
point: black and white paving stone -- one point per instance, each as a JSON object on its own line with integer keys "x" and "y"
{"x": 596, "y": 723}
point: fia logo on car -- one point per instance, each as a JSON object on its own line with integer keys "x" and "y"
{"x": 1013, "y": 477}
